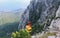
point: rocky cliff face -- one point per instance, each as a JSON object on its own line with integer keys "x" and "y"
{"x": 55, "y": 24}
{"x": 40, "y": 11}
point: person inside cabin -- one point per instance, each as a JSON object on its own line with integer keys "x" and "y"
{"x": 28, "y": 27}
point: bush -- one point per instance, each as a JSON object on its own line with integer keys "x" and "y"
{"x": 21, "y": 34}
{"x": 36, "y": 28}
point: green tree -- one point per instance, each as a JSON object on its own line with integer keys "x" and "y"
{"x": 21, "y": 34}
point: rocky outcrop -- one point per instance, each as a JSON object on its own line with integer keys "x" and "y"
{"x": 40, "y": 11}
{"x": 55, "y": 24}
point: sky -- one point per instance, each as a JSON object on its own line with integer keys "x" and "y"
{"x": 9, "y": 5}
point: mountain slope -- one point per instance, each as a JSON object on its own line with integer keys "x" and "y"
{"x": 41, "y": 12}
{"x": 10, "y": 17}
{"x": 9, "y": 22}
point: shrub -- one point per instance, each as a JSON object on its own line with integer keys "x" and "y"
{"x": 21, "y": 34}
{"x": 36, "y": 28}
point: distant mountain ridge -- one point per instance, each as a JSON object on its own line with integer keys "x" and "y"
{"x": 10, "y": 17}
